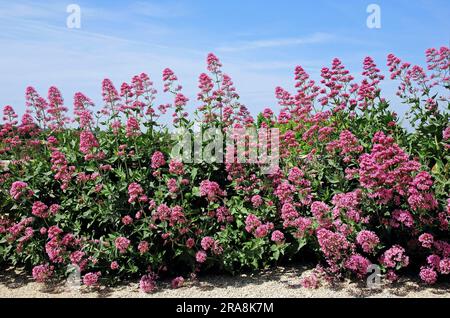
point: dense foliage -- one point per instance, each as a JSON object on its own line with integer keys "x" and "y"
{"x": 354, "y": 188}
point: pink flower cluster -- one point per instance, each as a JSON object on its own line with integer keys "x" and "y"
{"x": 60, "y": 166}
{"x": 122, "y": 244}
{"x": 208, "y": 243}
{"x": 40, "y": 209}
{"x": 87, "y": 142}
{"x": 201, "y": 256}
{"x": 91, "y": 279}
{"x": 401, "y": 217}
{"x": 172, "y": 215}
{"x": 420, "y": 196}
{"x": 358, "y": 264}
{"x": 143, "y": 247}
{"x": 17, "y": 189}
{"x": 333, "y": 245}
{"x": 322, "y": 213}
{"x": 426, "y": 240}
{"x": 292, "y": 219}
{"x": 277, "y": 236}
{"x": 158, "y": 160}
{"x": 135, "y": 193}
{"x": 256, "y": 227}
{"x": 211, "y": 190}
{"x": 428, "y": 275}
{"x": 224, "y": 215}
{"x": 177, "y": 282}
{"x": 310, "y": 281}
{"x": 387, "y": 170}
{"x": 368, "y": 240}
{"x": 176, "y": 167}
{"x": 347, "y": 145}
{"x": 56, "y": 109}
{"x": 42, "y": 273}
{"x": 147, "y": 283}
{"x": 395, "y": 257}
{"x": 257, "y": 201}
{"x": 348, "y": 205}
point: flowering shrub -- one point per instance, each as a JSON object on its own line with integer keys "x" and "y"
{"x": 100, "y": 191}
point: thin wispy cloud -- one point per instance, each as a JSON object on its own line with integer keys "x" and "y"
{"x": 10, "y": 10}
{"x": 315, "y": 38}
{"x": 160, "y": 10}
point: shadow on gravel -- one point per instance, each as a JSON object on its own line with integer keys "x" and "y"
{"x": 404, "y": 287}
{"x": 288, "y": 276}
{"x": 14, "y": 279}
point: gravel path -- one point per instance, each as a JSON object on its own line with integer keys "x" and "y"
{"x": 279, "y": 282}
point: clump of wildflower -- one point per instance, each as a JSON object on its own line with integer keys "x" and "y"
{"x": 310, "y": 281}
{"x": 91, "y": 279}
{"x": 114, "y": 265}
{"x": 426, "y": 240}
{"x": 42, "y": 273}
{"x": 358, "y": 264}
{"x": 428, "y": 275}
{"x": 60, "y": 166}
{"x": 177, "y": 282}
{"x": 348, "y": 204}
{"x": 87, "y": 142}
{"x": 444, "y": 266}
{"x": 386, "y": 170}
{"x": 277, "y": 236}
{"x": 40, "y": 209}
{"x": 143, "y": 247}
{"x": 263, "y": 230}
{"x": 176, "y": 167}
{"x": 257, "y": 201}
{"x": 401, "y": 217}
{"x": 200, "y": 257}
{"x": 333, "y": 245}
{"x": 207, "y": 243}
{"x": 251, "y": 223}
{"x": 347, "y": 145}
{"x": 158, "y": 160}
{"x": 172, "y": 185}
{"x": 122, "y": 244}
{"x": 211, "y": 190}
{"x": 17, "y": 189}
{"x": 147, "y": 283}
{"x": 134, "y": 191}
{"x": 224, "y": 215}
{"x": 368, "y": 240}
{"x": 321, "y": 212}
{"x": 394, "y": 257}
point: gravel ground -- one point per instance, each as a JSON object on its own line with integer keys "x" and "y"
{"x": 279, "y": 282}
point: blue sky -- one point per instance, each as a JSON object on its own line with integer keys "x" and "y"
{"x": 259, "y": 42}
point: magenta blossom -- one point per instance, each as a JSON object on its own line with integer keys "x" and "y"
{"x": 158, "y": 160}
{"x": 41, "y": 273}
{"x": 122, "y": 244}
{"x": 201, "y": 256}
{"x": 17, "y": 189}
{"x": 91, "y": 279}
{"x": 177, "y": 282}
{"x": 277, "y": 236}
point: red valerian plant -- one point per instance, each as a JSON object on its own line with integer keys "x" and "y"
{"x": 101, "y": 191}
